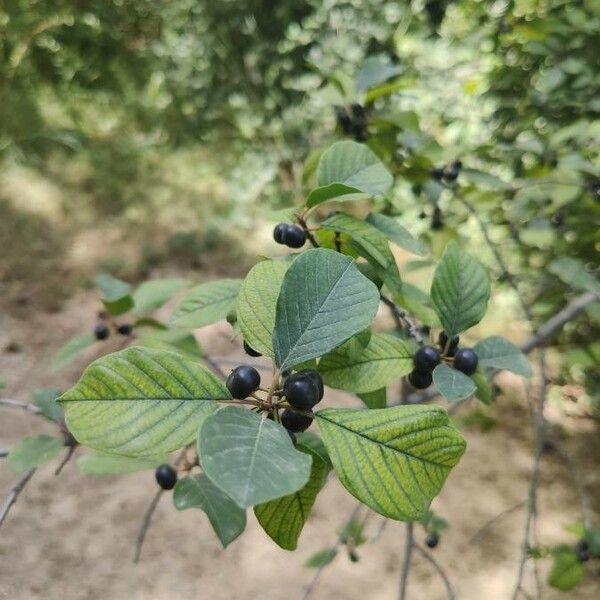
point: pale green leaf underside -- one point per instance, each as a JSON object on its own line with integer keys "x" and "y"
{"x": 452, "y": 384}
{"x": 152, "y": 294}
{"x": 141, "y": 402}
{"x": 96, "y": 463}
{"x": 71, "y": 350}
{"x": 374, "y": 399}
{"x": 250, "y": 458}
{"x": 385, "y": 359}
{"x": 396, "y": 233}
{"x": 227, "y": 519}
{"x": 572, "y": 271}
{"x": 284, "y": 518}
{"x": 324, "y": 300}
{"x": 497, "y": 352}
{"x": 460, "y": 290}
{"x": 354, "y": 165}
{"x": 394, "y": 460}
{"x": 206, "y": 303}
{"x": 33, "y": 451}
{"x": 257, "y": 302}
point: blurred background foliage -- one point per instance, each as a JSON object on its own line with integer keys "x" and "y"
{"x": 169, "y": 131}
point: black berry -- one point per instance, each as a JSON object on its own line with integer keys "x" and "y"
{"x": 125, "y": 329}
{"x": 101, "y": 331}
{"x": 432, "y": 540}
{"x": 420, "y": 379}
{"x": 582, "y": 551}
{"x": 302, "y": 390}
{"x": 456, "y": 165}
{"x": 294, "y": 236}
{"x": 279, "y": 231}
{"x": 437, "y": 172}
{"x": 242, "y": 381}
{"x": 426, "y": 358}
{"x": 451, "y": 174}
{"x": 358, "y": 110}
{"x": 343, "y": 118}
{"x": 294, "y": 421}
{"x": 443, "y": 340}
{"x": 466, "y": 360}
{"x": 166, "y": 477}
{"x": 250, "y": 350}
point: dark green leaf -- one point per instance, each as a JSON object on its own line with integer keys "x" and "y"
{"x": 497, "y": 352}
{"x": 452, "y": 384}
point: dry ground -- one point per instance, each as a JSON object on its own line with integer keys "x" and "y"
{"x": 71, "y": 537}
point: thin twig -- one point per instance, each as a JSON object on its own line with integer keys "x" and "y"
{"x": 13, "y": 494}
{"x": 440, "y": 570}
{"x": 310, "y": 588}
{"x": 408, "y": 548}
{"x": 484, "y": 529}
{"x": 65, "y": 460}
{"x": 26, "y": 406}
{"x": 380, "y": 531}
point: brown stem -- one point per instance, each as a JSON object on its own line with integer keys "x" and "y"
{"x": 13, "y": 494}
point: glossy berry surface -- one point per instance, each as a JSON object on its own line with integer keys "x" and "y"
{"x": 466, "y": 360}
{"x": 125, "y": 329}
{"x": 101, "y": 331}
{"x": 432, "y": 540}
{"x": 301, "y": 391}
{"x": 279, "y": 231}
{"x": 294, "y": 236}
{"x": 166, "y": 477}
{"x": 243, "y": 381}
{"x": 420, "y": 379}
{"x": 250, "y": 351}
{"x": 426, "y": 358}
{"x": 294, "y": 421}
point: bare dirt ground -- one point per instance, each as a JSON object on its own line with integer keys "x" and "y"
{"x": 71, "y": 537}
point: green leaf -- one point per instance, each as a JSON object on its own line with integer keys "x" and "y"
{"x": 566, "y": 571}
{"x": 141, "y": 402}
{"x": 96, "y": 463}
{"x": 71, "y": 350}
{"x": 321, "y": 559}
{"x": 151, "y": 295}
{"x": 284, "y": 518}
{"x": 324, "y": 300}
{"x": 335, "y": 191}
{"x": 573, "y": 272}
{"x": 115, "y": 294}
{"x": 367, "y": 239}
{"x": 484, "y": 390}
{"x": 227, "y": 519}
{"x": 206, "y": 303}
{"x": 257, "y": 302}
{"x": 394, "y": 460}
{"x": 453, "y": 384}
{"x": 460, "y": 290}
{"x": 250, "y": 458}
{"x": 375, "y": 71}
{"x": 182, "y": 342}
{"x": 497, "y": 352}
{"x": 33, "y": 451}
{"x": 385, "y": 359}
{"x": 313, "y": 442}
{"x": 355, "y": 166}
{"x": 396, "y": 233}
{"x": 45, "y": 400}
{"x": 374, "y": 399}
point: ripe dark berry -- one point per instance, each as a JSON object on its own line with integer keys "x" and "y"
{"x": 443, "y": 340}
{"x": 432, "y": 540}
{"x": 343, "y": 119}
{"x": 301, "y": 390}
{"x": 437, "y": 219}
{"x": 360, "y": 133}
{"x": 279, "y": 231}
{"x": 437, "y": 172}
{"x": 250, "y": 350}
{"x": 166, "y": 477}
{"x": 466, "y": 360}
{"x": 294, "y": 236}
{"x": 101, "y": 331}
{"x": 358, "y": 110}
{"x": 294, "y": 421}
{"x": 426, "y": 358}
{"x": 243, "y": 381}
{"x": 420, "y": 379}
{"x": 451, "y": 174}
{"x": 317, "y": 380}
{"x": 456, "y": 165}
{"x": 582, "y": 551}
{"x": 125, "y": 329}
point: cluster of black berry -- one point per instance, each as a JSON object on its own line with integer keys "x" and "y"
{"x": 427, "y": 358}
{"x": 448, "y": 173}
{"x": 102, "y": 330}
{"x": 354, "y": 121}
{"x": 303, "y": 391}
{"x": 292, "y": 236}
